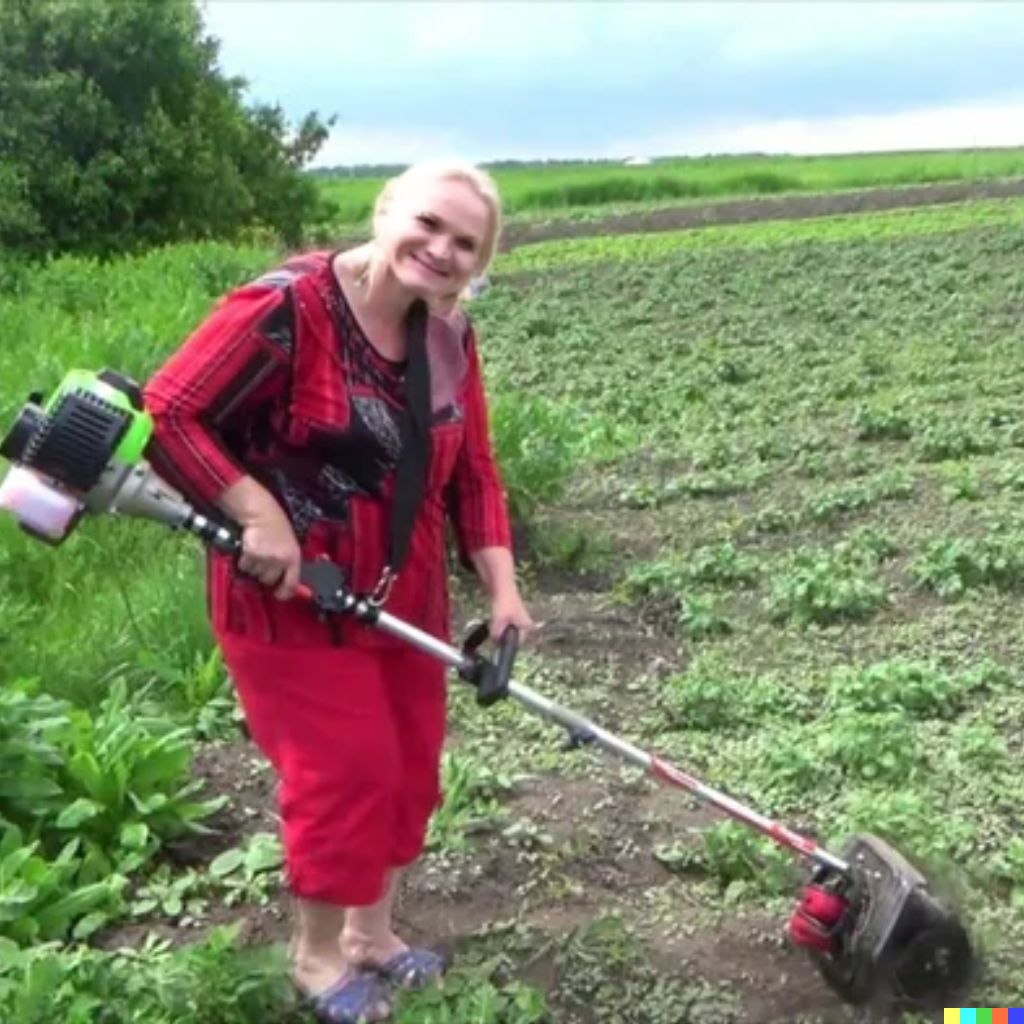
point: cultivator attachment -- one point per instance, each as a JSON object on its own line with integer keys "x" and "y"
{"x": 877, "y": 932}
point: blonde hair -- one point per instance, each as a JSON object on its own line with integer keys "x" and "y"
{"x": 371, "y": 264}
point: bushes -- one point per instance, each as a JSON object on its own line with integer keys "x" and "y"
{"x": 120, "y": 131}
{"x": 84, "y": 800}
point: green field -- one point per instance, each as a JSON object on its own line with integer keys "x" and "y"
{"x": 768, "y": 480}
{"x": 561, "y": 188}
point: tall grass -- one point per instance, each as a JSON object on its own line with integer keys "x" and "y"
{"x": 79, "y": 616}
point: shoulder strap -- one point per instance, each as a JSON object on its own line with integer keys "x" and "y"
{"x": 414, "y": 428}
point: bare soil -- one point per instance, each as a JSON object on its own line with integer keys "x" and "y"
{"x": 783, "y": 207}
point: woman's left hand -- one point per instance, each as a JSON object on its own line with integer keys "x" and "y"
{"x": 507, "y": 609}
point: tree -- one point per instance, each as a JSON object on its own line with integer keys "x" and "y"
{"x": 118, "y": 131}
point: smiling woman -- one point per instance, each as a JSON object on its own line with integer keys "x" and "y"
{"x": 302, "y": 407}
{"x": 435, "y": 226}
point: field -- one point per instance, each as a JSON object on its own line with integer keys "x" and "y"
{"x": 585, "y": 191}
{"x": 767, "y": 481}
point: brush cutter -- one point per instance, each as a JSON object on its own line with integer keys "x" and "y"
{"x": 868, "y": 918}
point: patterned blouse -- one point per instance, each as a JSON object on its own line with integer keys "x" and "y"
{"x": 281, "y": 383}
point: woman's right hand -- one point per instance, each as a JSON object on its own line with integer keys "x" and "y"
{"x": 270, "y": 551}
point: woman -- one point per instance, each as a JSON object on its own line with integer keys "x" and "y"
{"x": 287, "y": 411}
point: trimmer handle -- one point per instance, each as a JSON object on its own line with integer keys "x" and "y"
{"x": 490, "y": 677}
{"x": 320, "y": 581}
{"x": 223, "y": 536}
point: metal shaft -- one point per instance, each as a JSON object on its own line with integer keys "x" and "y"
{"x": 654, "y": 766}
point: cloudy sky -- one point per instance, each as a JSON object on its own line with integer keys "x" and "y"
{"x": 548, "y": 79}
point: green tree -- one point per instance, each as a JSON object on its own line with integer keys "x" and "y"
{"x": 119, "y": 130}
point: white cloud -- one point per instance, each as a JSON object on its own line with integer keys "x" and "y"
{"x": 349, "y": 145}
{"x": 965, "y": 126}
{"x": 771, "y": 32}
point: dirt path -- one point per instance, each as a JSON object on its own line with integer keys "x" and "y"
{"x": 741, "y": 211}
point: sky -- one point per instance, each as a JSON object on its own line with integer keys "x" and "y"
{"x": 543, "y": 79}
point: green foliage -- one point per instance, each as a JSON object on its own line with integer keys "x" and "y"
{"x": 883, "y": 423}
{"x": 471, "y": 790}
{"x": 830, "y": 503}
{"x": 870, "y": 747}
{"x": 535, "y": 444}
{"x": 89, "y": 799}
{"x": 31, "y": 729}
{"x": 953, "y": 566}
{"x": 708, "y": 698}
{"x": 248, "y": 874}
{"x": 721, "y": 565}
{"x": 120, "y": 131}
{"x": 821, "y": 586}
{"x": 44, "y": 899}
{"x": 471, "y": 996}
{"x": 662, "y": 583}
{"x": 127, "y": 772}
{"x": 907, "y": 817}
{"x": 699, "y": 618}
{"x": 739, "y": 860}
{"x": 1008, "y": 869}
{"x": 638, "y": 249}
{"x": 212, "y": 982}
{"x": 201, "y": 692}
{"x": 939, "y": 441}
{"x": 919, "y": 688}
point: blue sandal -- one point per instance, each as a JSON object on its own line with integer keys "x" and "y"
{"x": 352, "y": 1001}
{"x": 414, "y": 968}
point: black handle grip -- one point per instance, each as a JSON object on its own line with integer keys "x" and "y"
{"x": 491, "y": 678}
{"x": 505, "y": 659}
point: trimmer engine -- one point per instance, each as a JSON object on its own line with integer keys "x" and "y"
{"x": 83, "y": 451}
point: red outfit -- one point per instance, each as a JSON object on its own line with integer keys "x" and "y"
{"x": 281, "y": 383}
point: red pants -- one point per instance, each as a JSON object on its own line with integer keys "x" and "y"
{"x": 355, "y": 737}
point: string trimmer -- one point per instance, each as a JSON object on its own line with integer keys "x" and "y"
{"x": 868, "y": 918}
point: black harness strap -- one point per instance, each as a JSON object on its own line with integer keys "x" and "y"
{"x": 414, "y": 429}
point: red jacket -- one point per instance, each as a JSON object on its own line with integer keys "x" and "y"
{"x": 280, "y": 383}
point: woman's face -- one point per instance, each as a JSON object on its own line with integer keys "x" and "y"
{"x": 434, "y": 236}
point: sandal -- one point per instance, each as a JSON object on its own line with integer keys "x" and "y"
{"x": 414, "y": 968}
{"x": 352, "y": 1001}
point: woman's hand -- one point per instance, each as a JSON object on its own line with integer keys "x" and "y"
{"x": 497, "y": 573}
{"x": 507, "y": 609}
{"x": 270, "y": 550}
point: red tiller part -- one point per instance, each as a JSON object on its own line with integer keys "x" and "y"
{"x": 822, "y": 904}
{"x": 806, "y": 932}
